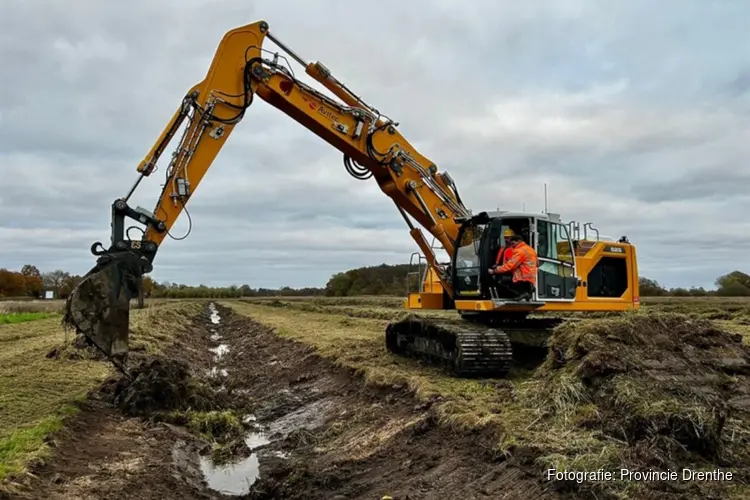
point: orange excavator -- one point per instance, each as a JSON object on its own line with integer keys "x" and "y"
{"x": 575, "y": 272}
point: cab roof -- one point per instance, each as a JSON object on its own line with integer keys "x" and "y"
{"x": 537, "y": 215}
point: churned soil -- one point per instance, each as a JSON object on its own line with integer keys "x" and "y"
{"x": 325, "y": 433}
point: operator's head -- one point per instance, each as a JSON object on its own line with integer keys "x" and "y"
{"x": 515, "y": 240}
{"x": 507, "y": 235}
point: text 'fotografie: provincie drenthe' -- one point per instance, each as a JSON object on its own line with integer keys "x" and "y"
{"x": 631, "y": 475}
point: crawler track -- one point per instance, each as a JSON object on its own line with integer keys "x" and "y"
{"x": 468, "y": 349}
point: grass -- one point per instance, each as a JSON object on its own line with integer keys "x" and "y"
{"x": 224, "y": 429}
{"x": 31, "y": 306}
{"x": 24, "y": 444}
{"x": 554, "y": 413}
{"x": 12, "y": 318}
{"x": 732, "y": 313}
{"x": 37, "y": 393}
{"x": 357, "y": 343}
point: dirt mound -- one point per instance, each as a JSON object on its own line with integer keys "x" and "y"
{"x": 80, "y": 348}
{"x": 161, "y": 384}
{"x": 667, "y": 390}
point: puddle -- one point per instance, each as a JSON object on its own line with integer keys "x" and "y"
{"x": 232, "y": 479}
{"x": 235, "y": 478}
{"x": 256, "y": 440}
{"x": 215, "y": 318}
{"x": 215, "y": 372}
{"x": 219, "y": 351}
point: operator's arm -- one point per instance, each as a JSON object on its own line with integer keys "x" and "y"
{"x": 510, "y": 264}
{"x": 500, "y": 254}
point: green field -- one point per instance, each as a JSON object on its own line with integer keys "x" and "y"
{"x": 11, "y": 318}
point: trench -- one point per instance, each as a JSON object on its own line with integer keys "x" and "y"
{"x": 237, "y": 476}
{"x": 317, "y": 430}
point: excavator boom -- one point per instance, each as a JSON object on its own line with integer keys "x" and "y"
{"x": 240, "y": 71}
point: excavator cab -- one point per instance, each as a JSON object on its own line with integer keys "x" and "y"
{"x": 481, "y": 238}
{"x": 575, "y": 273}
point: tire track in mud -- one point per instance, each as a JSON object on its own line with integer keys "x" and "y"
{"x": 315, "y": 432}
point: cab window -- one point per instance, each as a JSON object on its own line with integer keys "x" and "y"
{"x": 554, "y": 243}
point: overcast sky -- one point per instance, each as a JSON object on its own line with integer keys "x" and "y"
{"x": 635, "y": 113}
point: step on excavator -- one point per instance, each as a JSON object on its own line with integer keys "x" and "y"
{"x": 575, "y": 272}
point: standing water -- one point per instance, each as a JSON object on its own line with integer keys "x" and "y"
{"x": 219, "y": 351}
{"x": 232, "y": 478}
{"x": 214, "y": 314}
{"x": 235, "y": 478}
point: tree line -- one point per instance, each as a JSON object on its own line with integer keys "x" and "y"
{"x": 384, "y": 279}
{"x": 734, "y": 284}
{"x": 29, "y": 282}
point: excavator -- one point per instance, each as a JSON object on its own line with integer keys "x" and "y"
{"x": 576, "y": 273}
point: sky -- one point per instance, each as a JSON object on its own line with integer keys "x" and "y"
{"x": 636, "y": 114}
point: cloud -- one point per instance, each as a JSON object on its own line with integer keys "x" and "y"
{"x": 635, "y": 115}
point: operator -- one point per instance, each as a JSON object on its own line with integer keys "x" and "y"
{"x": 523, "y": 266}
{"x": 505, "y": 252}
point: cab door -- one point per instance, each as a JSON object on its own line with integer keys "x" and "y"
{"x": 556, "y": 274}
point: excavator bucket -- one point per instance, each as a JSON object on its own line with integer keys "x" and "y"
{"x": 99, "y": 307}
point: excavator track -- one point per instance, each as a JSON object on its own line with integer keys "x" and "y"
{"x": 526, "y": 331}
{"x": 467, "y": 349}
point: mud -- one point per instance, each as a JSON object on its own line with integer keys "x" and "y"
{"x": 314, "y": 431}
{"x": 103, "y": 454}
{"x": 160, "y": 384}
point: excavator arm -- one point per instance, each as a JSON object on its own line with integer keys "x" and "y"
{"x": 240, "y": 72}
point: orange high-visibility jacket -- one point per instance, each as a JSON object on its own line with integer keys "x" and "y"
{"x": 523, "y": 263}
{"x": 503, "y": 255}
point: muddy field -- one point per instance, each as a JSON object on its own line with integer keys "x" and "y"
{"x": 295, "y": 399}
